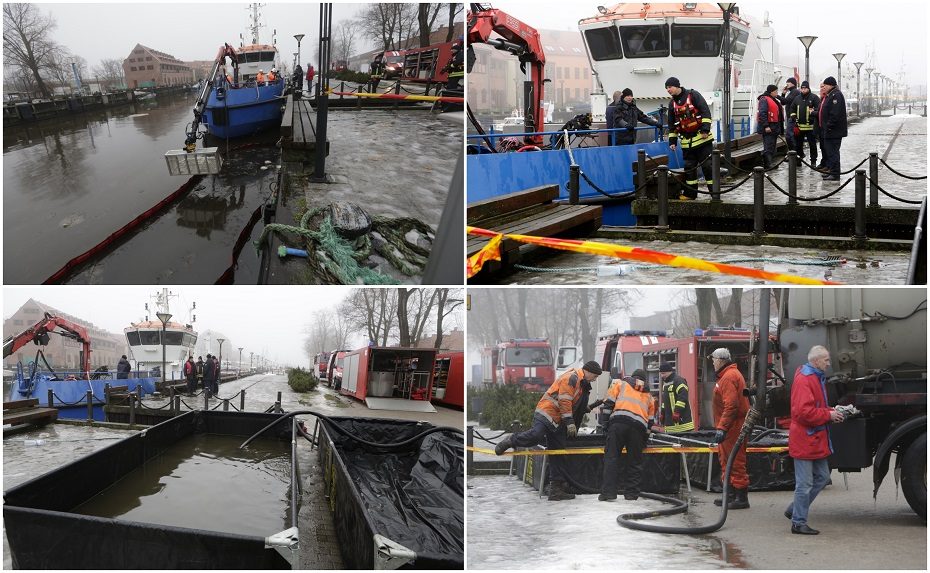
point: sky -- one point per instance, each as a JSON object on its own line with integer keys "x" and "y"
{"x": 896, "y": 30}
{"x": 266, "y": 320}
{"x": 187, "y": 31}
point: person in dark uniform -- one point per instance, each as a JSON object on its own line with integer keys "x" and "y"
{"x": 298, "y": 80}
{"x": 689, "y": 124}
{"x": 676, "y": 409}
{"x": 209, "y": 375}
{"x": 802, "y": 113}
{"x": 626, "y": 116}
{"x": 833, "y": 128}
{"x": 788, "y": 93}
{"x": 123, "y": 368}
{"x": 770, "y": 124}
{"x": 376, "y": 69}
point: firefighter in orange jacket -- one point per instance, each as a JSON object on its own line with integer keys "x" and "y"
{"x": 260, "y": 78}
{"x": 554, "y": 420}
{"x": 730, "y": 409}
{"x": 689, "y": 125}
{"x": 631, "y": 418}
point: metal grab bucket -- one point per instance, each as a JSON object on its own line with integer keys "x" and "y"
{"x": 206, "y": 161}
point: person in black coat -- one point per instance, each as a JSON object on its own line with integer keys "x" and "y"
{"x": 833, "y": 128}
{"x": 123, "y": 368}
{"x": 689, "y": 124}
{"x": 209, "y": 375}
{"x": 298, "y": 80}
{"x": 802, "y": 115}
{"x": 770, "y": 124}
{"x": 626, "y": 117}
{"x": 609, "y": 117}
{"x": 788, "y": 93}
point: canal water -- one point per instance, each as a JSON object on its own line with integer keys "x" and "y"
{"x": 70, "y": 182}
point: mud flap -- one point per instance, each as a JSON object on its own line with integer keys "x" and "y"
{"x": 207, "y": 161}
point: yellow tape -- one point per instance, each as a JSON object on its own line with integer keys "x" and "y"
{"x": 651, "y": 450}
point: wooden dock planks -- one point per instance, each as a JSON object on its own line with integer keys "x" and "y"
{"x": 21, "y": 412}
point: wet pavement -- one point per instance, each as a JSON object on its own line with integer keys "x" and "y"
{"x": 861, "y": 268}
{"x": 70, "y": 183}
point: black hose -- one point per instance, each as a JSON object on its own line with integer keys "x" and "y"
{"x": 349, "y": 434}
{"x": 628, "y": 519}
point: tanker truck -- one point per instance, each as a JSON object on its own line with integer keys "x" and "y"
{"x": 877, "y": 340}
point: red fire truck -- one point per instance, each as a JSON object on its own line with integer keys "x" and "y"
{"x": 390, "y": 378}
{"x": 523, "y": 361}
{"x": 321, "y": 365}
{"x": 427, "y": 64}
{"x": 689, "y": 357}
{"x": 449, "y": 379}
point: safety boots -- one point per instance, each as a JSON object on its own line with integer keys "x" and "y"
{"x": 558, "y": 491}
{"x": 736, "y": 499}
{"x": 503, "y": 445}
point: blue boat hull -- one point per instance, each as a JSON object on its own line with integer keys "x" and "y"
{"x": 610, "y": 168}
{"x": 71, "y": 395}
{"x": 239, "y": 112}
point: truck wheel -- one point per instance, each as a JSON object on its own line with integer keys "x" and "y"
{"x": 914, "y": 475}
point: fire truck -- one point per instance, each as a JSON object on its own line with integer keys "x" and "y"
{"x": 688, "y": 356}
{"x": 449, "y": 379}
{"x": 526, "y": 362}
{"x": 427, "y": 64}
{"x": 321, "y": 364}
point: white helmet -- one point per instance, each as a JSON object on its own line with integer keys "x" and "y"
{"x": 261, "y": 70}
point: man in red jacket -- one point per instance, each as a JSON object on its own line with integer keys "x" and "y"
{"x": 730, "y": 409}
{"x": 809, "y": 437}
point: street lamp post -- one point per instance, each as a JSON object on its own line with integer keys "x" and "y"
{"x": 220, "y": 375}
{"x": 839, "y": 72}
{"x": 251, "y": 355}
{"x": 164, "y": 317}
{"x": 868, "y": 84}
{"x": 807, "y": 41}
{"x": 727, "y": 8}
{"x": 298, "y": 37}
{"x": 239, "y": 364}
{"x": 858, "y": 95}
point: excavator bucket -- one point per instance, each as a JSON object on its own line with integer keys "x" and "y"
{"x": 206, "y": 161}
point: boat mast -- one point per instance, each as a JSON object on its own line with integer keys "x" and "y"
{"x": 255, "y": 25}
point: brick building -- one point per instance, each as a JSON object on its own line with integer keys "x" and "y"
{"x": 454, "y": 340}
{"x": 495, "y": 84}
{"x": 62, "y": 353}
{"x": 145, "y": 67}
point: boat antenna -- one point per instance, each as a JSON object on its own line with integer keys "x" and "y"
{"x": 255, "y": 25}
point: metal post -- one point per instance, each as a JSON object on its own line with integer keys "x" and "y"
{"x": 132, "y": 409}
{"x": 242, "y": 401}
{"x": 573, "y": 184}
{"x": 873, "y": 180}
{"x": 322, "y": 110}
{"x": 640, "y": 173}
{"x": 758, "y": 202}
{"x": 277, "y": 404}
{"x": 51, "y": 398}
{"x": 662, "y": 223}
{"x": 206, "y": 399}
{"x": 171, "y": 396}
{"x": 715, "y": 168}
{"x": 726, "y": 86}
{"x": 177, "y": 405}
{"x": 225, "y": 404}
{"x": 860, "y": 205}
{"x": 792, "y": 178}
{"x": 470, "y": 442}
{"x": 90, "y": 405}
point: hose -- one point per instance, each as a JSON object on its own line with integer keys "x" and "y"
{"x": 350, "y": 435}
{"x": 628, "y": 520}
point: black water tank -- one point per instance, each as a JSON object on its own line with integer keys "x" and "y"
{"x": 24, "y": 109}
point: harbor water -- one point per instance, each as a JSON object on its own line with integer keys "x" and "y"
{"x": 69, "y": 183}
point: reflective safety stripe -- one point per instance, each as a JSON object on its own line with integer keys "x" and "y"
{"x": 679, "y": 428}
{"x": 680, "y": 404}
{"x": 566, "y": 397}
{"x": 551, "y": 399}
{"x": 692, "y": 182}
{"x": 630, "y": 415}
{"x": 546, "y": 415}
{"x": 699, "y": 139}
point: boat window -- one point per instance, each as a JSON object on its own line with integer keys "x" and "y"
{"x": 189, "y": 339}
{"x": 133, "y": 338}
{"x": 149, "y": 337}
{"x": 738, "y": 40}
{"x": 645, "y": 41}
{"x": 174, "y": 338}
{"x": 604, "y": 43}
{"x": 527, "y": 357}
{"x": 696, "y": 41}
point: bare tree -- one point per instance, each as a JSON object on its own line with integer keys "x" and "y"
{"x": 27, "y": 41}
{"x": 389, "y": 25}
{"x": 455, "y": 9}
{"x": 447, "y": 300}
{"x": 414, "y": 308}
{"x": 372, "y": 312}
{"x": 344, "y": 41}
{"x": 426, "y": 17}
{"x": 110, "y": 71}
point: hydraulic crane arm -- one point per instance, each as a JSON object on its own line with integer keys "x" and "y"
{"x": 226, "y": 51}
{"x": 520, "y": 40}
{"x": 39, "y": 334}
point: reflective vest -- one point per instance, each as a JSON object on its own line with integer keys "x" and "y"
{"x": 772, "y": 114}
{"x": 630, "y": 403}
{"x": 557, "y": 403}
{"x": 802, "y": 115}
{"x": 260, "y": 77}
{"x": 688, "y": 119}
{"x": 271, "y": 77}
{"x": 676, "y": 399}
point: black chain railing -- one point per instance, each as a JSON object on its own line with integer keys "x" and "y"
{"x": 899, "y": 174}
{"x": 877, "y": 186}
{"x": 819, "y": 198}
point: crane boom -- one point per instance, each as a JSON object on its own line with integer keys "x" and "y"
{"x": 39, "y": 334}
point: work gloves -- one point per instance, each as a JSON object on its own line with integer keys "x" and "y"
{"x": 572, "y": 431}
{"x": 719, "y": 436}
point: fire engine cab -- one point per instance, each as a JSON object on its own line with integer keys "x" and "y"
{"x": 526, "y": 362}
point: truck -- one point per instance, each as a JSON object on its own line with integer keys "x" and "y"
{"x": 390, "y": 378}
{"x": 526, "y": 362}
{"x": 878, "y": 345}
{"x": 321, "y": 364}
{"x": 449, "y": 379}
{"x": 427, "y": 64}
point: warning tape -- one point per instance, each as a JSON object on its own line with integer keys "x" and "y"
{"x": 652, "y": 450}
{"x": 446, "y": 99}
{"x": 491, "y": 251}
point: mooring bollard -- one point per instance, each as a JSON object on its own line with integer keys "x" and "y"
{"x": 51, "y": 398}
{"x": 792, "y": 178}
{"x": 758, "y": 202}
{"x": 662, "y": 198}
{"x": 640, "y": 173}
{"x": 242, "y": 401}
{"x": 470, "y": 456}
{"x": 873, "y": 180}
{"x": 206, "y": 399}
{"x": 573, "y": 184}
{"x": 90, "y": 405}
{"x": 860, "y": 205}
{"x": 715, "y": 169}
{"x": 171, "y": 394}
{"x": 277, "y": 404}
{"x": 132, "y": 409}
{"x": 177, "y": 405}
